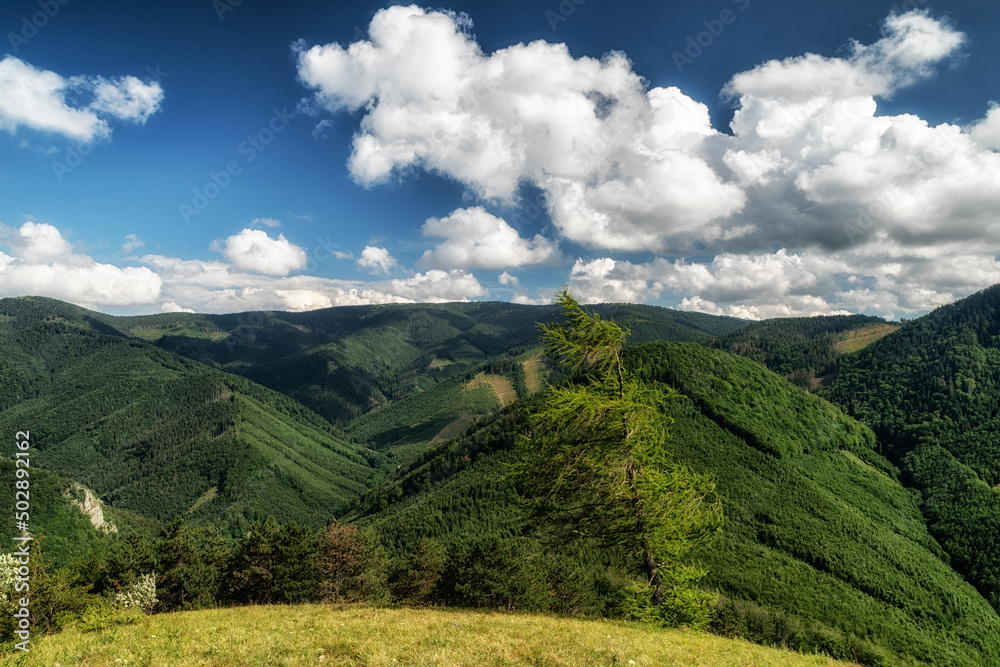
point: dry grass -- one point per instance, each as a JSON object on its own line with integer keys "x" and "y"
{"x": 360, "y": 635}
{"x": 852, "y": 341}
{"x": 498, "y": 384}
{"x": 533, "y": 375}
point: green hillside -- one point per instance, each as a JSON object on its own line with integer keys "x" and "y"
{"x": 69, "y": 533}
{"x": 154, "y": 433}
{"x": 806, "y": 350}
{"x": 822, "y": 545}
{"x": 342, "y": 362}
{"x": 931, "y": 392}
{"x": 443, "y": 410}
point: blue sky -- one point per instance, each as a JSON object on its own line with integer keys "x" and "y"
{"x": 756, "y": 158}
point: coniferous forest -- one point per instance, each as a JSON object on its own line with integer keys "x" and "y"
{"x": 377, "y": 455}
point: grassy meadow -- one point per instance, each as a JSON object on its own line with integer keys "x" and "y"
{"x": 364, "y": 635}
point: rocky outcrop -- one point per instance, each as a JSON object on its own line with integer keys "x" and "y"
{"x": 90, "y": 505}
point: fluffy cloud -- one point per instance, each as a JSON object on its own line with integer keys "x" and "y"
{"x": 37, "y": 99}
{"x": 377, "y": 260}
{"x": 814, "y": 203}
{"x": 477, "y": 239}
{"x": 253, "y": 250}
{"x": 749, "y": 287}
{"x": 44, "y": 263}
{"x": 986, "y": 132}
{"x": 822, "y": 168}
{"x": 913, "y": 44}
{"x": 132, "y": 241}
{"x": 219, "y": 287}
{"x": 508, "y": 279}
{"x": 37, "y": 260}
{"x": 606, "y": 280}
{"x": 888, "y": 278}
{"x": 437, "y": 286}
{"x": 622, "y": 167}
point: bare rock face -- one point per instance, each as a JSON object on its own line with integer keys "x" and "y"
{"x": 90, "y": 505}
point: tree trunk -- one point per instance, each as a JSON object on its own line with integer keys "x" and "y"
{"x": 653, "y": 573}
{"x": 652, "y": 570}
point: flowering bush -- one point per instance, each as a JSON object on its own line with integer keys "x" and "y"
{"x": 140, "y": 595}
{"x": 8, "y": 572}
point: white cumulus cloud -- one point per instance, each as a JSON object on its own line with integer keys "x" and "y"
{"x": 623, "y": 167}
{"x": 253, "y": 250}
{"x": 43, "y": 263}
{"x": 437, "y": 286}
{"x": 813, "y": 202}
{"x": 477, "y": 239}
{"x": 377, "y": 260}
{"x": 37, "y": 99}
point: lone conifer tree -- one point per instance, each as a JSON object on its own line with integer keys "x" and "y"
{"x": 596, "y": 466}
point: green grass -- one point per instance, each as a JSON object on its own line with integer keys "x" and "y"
{"x": 361, "y": 635}
{"x": 206, "y": 497}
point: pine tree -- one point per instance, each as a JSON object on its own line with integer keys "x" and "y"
{"x": 191, "y": 562}
{"x": 596, "y": 467}
{"x": 274, "y": 563}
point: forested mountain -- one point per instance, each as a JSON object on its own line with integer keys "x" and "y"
{"x": 342, "y": 362}
{"x": 822, "y": 545}
{"x": 161, "y": 435}
{"x": 404, "y": 419}
{"x": 111, "y": 405}
{"x": 931, "y": 392}
{"x": 806, "y": 350}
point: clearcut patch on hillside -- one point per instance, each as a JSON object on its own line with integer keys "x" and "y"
{"x": 862, "y": 337}
{"x": 533, "y": 375}
{"x": 499, "y": 385}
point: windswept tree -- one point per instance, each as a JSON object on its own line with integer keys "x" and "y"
{"x": 596, "y": 467}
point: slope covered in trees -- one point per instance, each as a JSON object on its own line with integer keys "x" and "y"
{"x": 161, "y": 435}
{"x": 804, "y": 349}
{"x": 822, "y": 546}
{"x": 342, "y": 362}
{"x": 931, "y": 392}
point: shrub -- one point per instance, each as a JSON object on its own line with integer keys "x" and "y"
{"x": 141, "y": 595}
